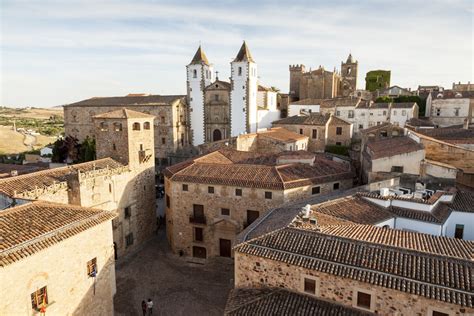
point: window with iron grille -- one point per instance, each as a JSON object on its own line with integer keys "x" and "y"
{"x": 92, "y": 267}
{"x": 39, "y": 298}
{"x": 129, "y": 239}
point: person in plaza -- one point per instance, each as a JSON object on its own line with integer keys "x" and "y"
{"x": 149, "y": 305}
{"x": 144, "y": 307}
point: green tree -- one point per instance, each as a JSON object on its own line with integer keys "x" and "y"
{"x": 87, "y": 151}
{"x": 385, "y": 99}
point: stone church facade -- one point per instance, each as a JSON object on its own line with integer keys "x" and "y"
{"x": 217, "y": 111}
{"x": 321, "y": 83}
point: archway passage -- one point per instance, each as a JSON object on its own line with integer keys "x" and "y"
{"x": 216, "y": 135}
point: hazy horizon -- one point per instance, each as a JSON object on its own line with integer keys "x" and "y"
{"x": 55, "y": 53}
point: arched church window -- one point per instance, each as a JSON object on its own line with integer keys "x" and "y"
{"x": 146, "y": 125}
{"x": 136, "y": 126}
{"x": 349, "y": 70}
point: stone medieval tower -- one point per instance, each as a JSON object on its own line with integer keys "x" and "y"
{"x": 243, "y": 94}
{"x": 127, "y": 136}
{"x": 349, "y": 76}
{"x": 199, "y": 75}
{"x": 296, "y": 72}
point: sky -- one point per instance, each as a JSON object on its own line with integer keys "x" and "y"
{"x": 59, "y": 52}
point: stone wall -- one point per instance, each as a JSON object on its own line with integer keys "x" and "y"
{"x": 63, "y": 269}
{"x": 253, "y": 271}
{"x": 332, "y": 138}
{"x": 216, "y": 112}
{"x": 217, "y": 226}
{"x": 314, "y": 144}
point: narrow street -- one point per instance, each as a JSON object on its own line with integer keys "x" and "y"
{"x": 175, "y": 286}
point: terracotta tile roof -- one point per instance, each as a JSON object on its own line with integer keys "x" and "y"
{"x": 129, "y": 101}
{"x": 354, "y": 209}
{"x": 403, "y": 105}
{"x": 463, "y": 201}
{"x": 392, "y": 146}
{"x": 244, "y": 54}
{"x": 281, "y": 134}
{"x": 400, "y": 260}
{"x": 199, "y": 57}
{"x": 316, "y": 119}
{"x": 123, "y": 114}
{"x": 277, "y": 301}
{"x": 6, "y": 169}
{"x": 432, "y": 200}
{"x": 249, "y": 169}
{"x": 375, "y": 128}
{"x": 32, "y": 227}
{"x": 380, "y": 105}
{"x": 419, "y": 122}
{"x": 450, "y": 135}
{"x": 339, "y": 121}
{"x": 341, "y": 102}
{"x": 45, "y": 178}
{"x": 451, "y": 94}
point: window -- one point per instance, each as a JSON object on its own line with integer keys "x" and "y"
{"x": 335, "y": 186}
{"x": 459, "y": 231}
{"x": 168, "y": 202}
{"x": 338, "y": 113}
{"x": 268, "y": 195}
{"x": 114, "y": 147}
{"x": 163, "y": 141}
{"x": 397, "y": 169}
{"x": 39, "y": 298}
{"x": 351, "y": 114}
{"x": 315, "y": 133}
{"x": 252, "y": 216}
{"x": 110, "y": 187}
{"x": 361, "y": 126}
{"x": 238, "y": 192}
{"x": 195, "y": 73}
{"x": 315, "y": 190}
{"x": 198, "y": 211}
{"x": 371, "y": 114}
{"x": 394, "y": 112}
{"x": 456, "y": 112}
{"x": 127, "y": 212}
{"x": 383, "y": 133}
{"x": 338, "y": 143}
{"x": 436, "y": 313}
{"x": 438, "y": 112}
{"x": 163, "y": 120}
{"x": 185, "y": 187}
{"x": 146, "y": 125}
{"x": 103, "y": 127}
{"x": 404, "y": 112}
{"x": 384, "y": 113}
{"x": 136, "y": 126}
{"x": 225, "y": 211}
{"x": 210, "y": 190}
{"x": 129, "y": 240}
{"x": 216, "y": 97}
{"x": 198, "y": 234}
{"x": 309, "y": 285}
{"x": 364, "y": 300}
{"x": 338, "y": 130}
{"x": 301, "y": 131}
{"x": 240, "y": 71}
{"x": 92, "y": 267}
{"x": 118, "y": 127}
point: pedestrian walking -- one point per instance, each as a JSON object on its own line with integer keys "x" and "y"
{"x": 144, "y": 307}
{"x": 149, "y": 306}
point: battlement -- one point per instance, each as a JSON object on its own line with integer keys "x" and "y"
{"x": 297, "y": 68}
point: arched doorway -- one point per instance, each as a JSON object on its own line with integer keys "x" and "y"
{"x": 216, "y": 135}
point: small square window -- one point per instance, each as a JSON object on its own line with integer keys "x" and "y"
{"x": 316, "y": 190}
{"x": 301, "y": 131}
{"x": 129, "y": 239}
{"x": 225, "y": 211}
{"x": 210, "y": 190}
{"x": 335, "y": 186}
{"x": 310, "y": 286}
{"x": 127, "y": 212}
{"x": 92, "y": 267}
{"x": 238, "y": 192}
{"x": 363, "y": 300}
{"x": 185, "y": 187}
{"x": 338, "y": 130}
{"x": 268, "y": 195}
{"x": 39, "y": 297}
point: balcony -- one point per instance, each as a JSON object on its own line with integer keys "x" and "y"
{"x": 144, "y": 155}
{"x": 197, "y": 220}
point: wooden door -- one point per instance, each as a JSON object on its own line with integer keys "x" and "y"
{"x": 225, "y": 247}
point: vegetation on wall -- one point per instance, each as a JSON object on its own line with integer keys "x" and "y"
{"x": 69, "y": 149}
{"x": 337, "y": 149}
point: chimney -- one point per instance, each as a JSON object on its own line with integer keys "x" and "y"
{"x": 466, "y": 123}
{"x": 14, "y": 173}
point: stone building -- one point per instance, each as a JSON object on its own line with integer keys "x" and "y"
{"x": 399, "y": 155}
{"x": 329, "y": 262}
{"x": 393, "y": 92}
{"x": 323, "y": 84}
{"x": 463, "y": 86}
{"x": 58, "y": 255}
{"x": 210, "y": 199}
{"x": 273, "y": 140}
{"x": 377, "y": 79}
{"x": 450, "y": 107}
{"x": 171, "y": 123}
{"x": 124, "y": 183}
{"x": 321, "y": 130}
{"x": 221, "y": 110}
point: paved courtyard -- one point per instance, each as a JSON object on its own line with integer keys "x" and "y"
{"x": 176, "y": 287}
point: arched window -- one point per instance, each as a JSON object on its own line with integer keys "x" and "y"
{"x": 195, "y": 73}
{"x": 118, "y": 127}
{"x": 136, "y": 126}
{"x": 146, "y": 125}
{"x": 103, "y": 127}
